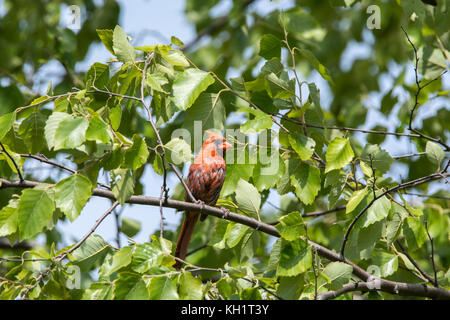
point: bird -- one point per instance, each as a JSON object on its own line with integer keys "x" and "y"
{"x": 205, "y": 180}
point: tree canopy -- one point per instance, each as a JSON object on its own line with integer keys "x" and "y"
{"x": 338, "y": 108}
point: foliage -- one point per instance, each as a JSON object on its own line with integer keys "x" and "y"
{"x": 336, "y": 171}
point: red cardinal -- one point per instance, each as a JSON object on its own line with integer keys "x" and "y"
{"x": 205, "y": 180}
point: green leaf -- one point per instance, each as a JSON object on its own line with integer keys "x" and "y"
{"x": 379, "y": 210}
{"x": 435, "y": 154}
{"x": 71, "y": 194}
{"x": 291, "y": 226}
{"x": 35, "y": 210}
{"x": 248, "y": 197}
{"x": 98, "y": 291}
{"x": 290, "y": 288}
{"x": 123, "y": 187}
{"x": 235, "y": 232}
{"x": 106, "y": 36}
{"x": 225, "y": 286}
{"x": 303, "y": 145}
{"x": 190, "y": 287}
{"x": 311, "y": 58}
{"x": 266, "y": 174}
{"x": 295, "y": 258}
{"x": 367, "y": 238}
{"x": 338, "y": 273}
{"x": 415, "y": 233}
{"x": 149, "y": 255}
{"x": 71, "y": 132}
{"x": 338, "y": 154}
{"x": 98, "y": 130}
{"x": 257, "y": 124}
{"x": 388, "y": 262}
{"x": 208, "y": 109}
{"x": 50, "y": 127}
{"x": 91, "y": 253}
{"x": 314, "y": 94}
{"x": 32, "y": 131}
{"x": 115, "y": 116}
{"x": 16, "y": 159}
{"x": 336, "y": 179}
{"x": 119, "y": 260}
{"x": 179, "y": 151}
{"x": 188, "y": 85}
{"x": 393, "y": 226}
{"x": 130, "y": 227}
{"x": 269, "y": 47}
{"x": 130, "y": 286}
{"x": 432, "y": 61}
{"x": 278, "y": 88}
{"x": 122, "y": 48}
{"x": 306, "y": 181}
{"x": 174, "y": 57}
{"x": 176, "y": 41}
{"x": 156, "y": 81}
{"x": 250, "y": 243}
{"x": 381, "y": 160}
{"x": 136, "y": 155}
{"x": 163, "y": 288}
{"x": 9, "y": 218}
{"x": 98, "y": 76}
{"x": 6, "y": 123}
{"x": 356, "y": 198}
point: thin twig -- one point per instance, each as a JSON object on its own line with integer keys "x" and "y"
{"x": 408, "y": 184}
{"x": 415, "y": 264}
{"x": 416, "y": 95}
{"x": 13, "y": 161}
{"x": 436, "y": 284}
{"x": 55, "y": 164}
{"x": 164, "y": 190}
{"x": 64, "y": 254}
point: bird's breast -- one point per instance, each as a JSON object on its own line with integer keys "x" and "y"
{"x": 206, "y": 180}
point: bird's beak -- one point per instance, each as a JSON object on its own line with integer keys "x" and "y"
{"x": 225, "y": 145}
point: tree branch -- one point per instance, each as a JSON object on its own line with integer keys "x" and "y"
{"x": 63, "y": 255}
{"x": 400, "y": 288}
{"x": 349, "y": 287}
{"x": 409, "y": 184}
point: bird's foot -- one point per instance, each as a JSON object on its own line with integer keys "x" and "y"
{"x": 225, "y": 212}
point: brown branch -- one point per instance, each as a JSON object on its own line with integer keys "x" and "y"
{"x": 399, "y": 288}
{"x": 349, "y": 287}
{"x": 423, "y": 273}
{"x": 409, "y": 184}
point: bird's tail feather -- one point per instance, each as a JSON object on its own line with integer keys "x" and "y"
{"x": 185, "y": 236}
